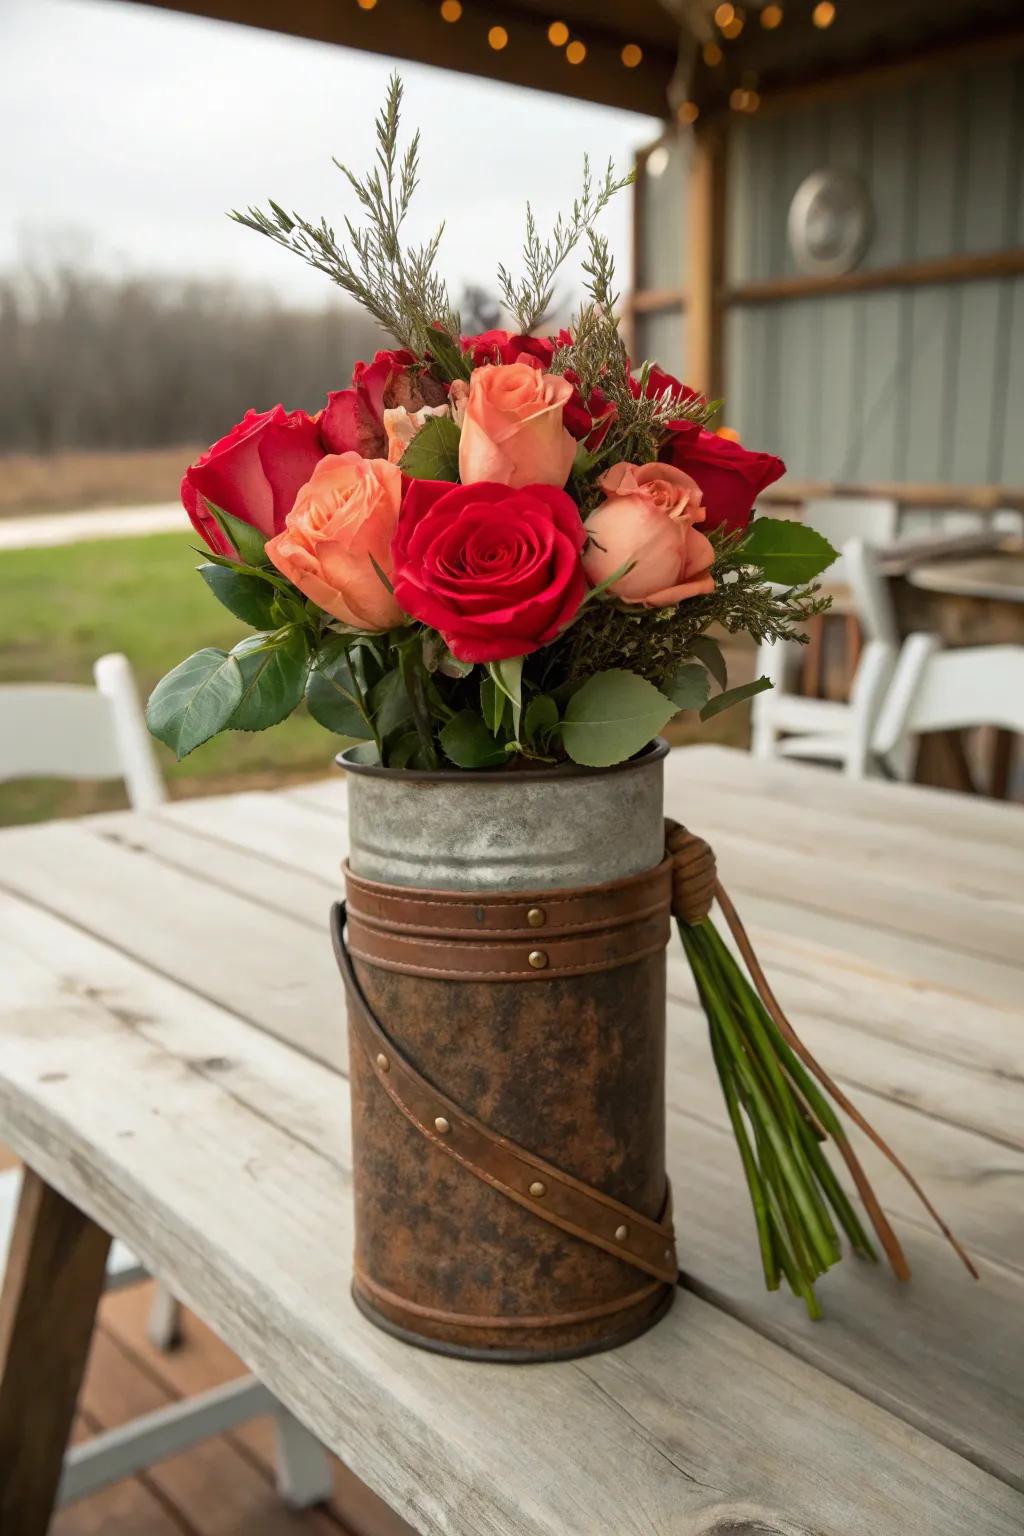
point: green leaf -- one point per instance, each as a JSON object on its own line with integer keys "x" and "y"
{"x": 390, "y": 705}
{"x": 433, "y": 453}
{"x": 195, "y": 701}
{"x": 334, "y": 697}
{"x": 787, "y": 553}
{"x": 249, "y": 598}
{"x": 688, "y": 687}
{"x": 469, "y": 744}
{"x": 723, "y": 701}
{"x": 492, "y": 704}
{"x": 612, "y": 716}
{"x": 247, "y": 540}
{"x": 541, "y": 717}
{"x": 508, "y": 676}
{"x": 710, "y": 653}
{"x": 450, "y": 360}
{"x": 274, "y": 671}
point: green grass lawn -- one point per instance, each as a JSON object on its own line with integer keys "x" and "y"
{"x": 63, "y": 607}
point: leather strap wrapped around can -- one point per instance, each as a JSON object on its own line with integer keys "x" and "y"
{"x": 449, "y": 934}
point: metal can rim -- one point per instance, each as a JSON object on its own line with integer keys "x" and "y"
{"x": 652, "y": 753}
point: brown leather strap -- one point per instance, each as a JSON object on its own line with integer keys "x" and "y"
{"x": 554, "y": 1196}
{"x": 465, "y": 936}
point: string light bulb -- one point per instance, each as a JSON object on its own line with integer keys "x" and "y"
{"x": 497, "y": 38}
{"x": 632, "y": 55}
{"x": 687, "y": 112}
{"x": 723, "y": 15}
{"x": 558, "y": 34}
{"x": 824, "y": 14}
{"x": 712, "y": 55}
{"x": 733, "y": 27}
{"x": 451, "y": 10}
{"x": 366, "y": 5}
{"x": 576, "y": 51}
{"x": 771, "y": 17}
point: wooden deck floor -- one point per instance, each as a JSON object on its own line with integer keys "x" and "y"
{"x": 224, "y": 1487}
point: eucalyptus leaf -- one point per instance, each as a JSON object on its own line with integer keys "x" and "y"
{"x": 334, "y": 697}
{"x": 274, "y": 672}
{"x": 723, "y": 701}
{"x": 788, "y": 553}
{"x": 195, "y": 701}
{"x": 688, "y": 687}
{"x": 613, "y": 716}
{"x": 246, "y": 539}
{"x": 469, "y": 744}
{"x": 541, "y": 717}
{"x": 433, "y": 453}
{"x": 249, "y": 598}
{"x": 710, "y": 653}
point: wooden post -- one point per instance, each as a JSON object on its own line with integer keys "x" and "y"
{"x": 705, "y": 236}
{"x": 54, "y": 1279}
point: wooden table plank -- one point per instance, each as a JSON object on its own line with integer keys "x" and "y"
{"x": 698, "y": 1423}
{"x": 961, "y": 1383}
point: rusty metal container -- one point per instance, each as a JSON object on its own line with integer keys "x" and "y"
{"x": 506, "y": 977}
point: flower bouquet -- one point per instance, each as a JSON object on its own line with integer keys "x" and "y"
{"x": 500, "y": 557}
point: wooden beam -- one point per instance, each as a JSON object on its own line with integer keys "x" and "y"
{"x": 911, "y": 274}
{"x": 55, "y": 1271}
{"x": 705, "y": 238}
{"x": 646, "y": 301}
{"x": 409, "y": 29}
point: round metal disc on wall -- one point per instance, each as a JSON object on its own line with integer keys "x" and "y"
{"x": 829, "y": 223}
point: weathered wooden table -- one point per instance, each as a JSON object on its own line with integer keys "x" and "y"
{"x": 172, "y": 1045}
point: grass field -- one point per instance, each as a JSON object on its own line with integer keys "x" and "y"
{"x": 64, "y": 607}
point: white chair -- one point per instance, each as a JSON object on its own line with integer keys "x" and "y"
{"x": 844, "y": 519}
{"x": 939, "y": 690}
{"x": 78, "y": 732}
{"x": 786, "y": 724}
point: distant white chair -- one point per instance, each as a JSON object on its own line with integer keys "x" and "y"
{"x": 786, "y": 724}
{"x": 77, "y": 732}
{"x": 72, "y": 731}
{"x": 846, "y": 519}
{"x": 948, "y": 690}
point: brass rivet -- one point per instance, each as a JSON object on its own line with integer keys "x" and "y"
{"x": 383, "y": 1063}
{"x": 536, "y": 917}
{"x": 441, "y": 1124}
{"x": 537, "y": 1189}
{"x": 538, "y": 959}
{"x": 621, "y": 1233}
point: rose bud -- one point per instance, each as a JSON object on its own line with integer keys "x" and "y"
{"x": 512, "y": 431}
{"x": 342, "y": 521}
{"x": 647, "y": 519}
{"x": 253, "y": 474}
{"x": 730, "y": 476}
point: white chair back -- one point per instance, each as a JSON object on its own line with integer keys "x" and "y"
{"x": 937, "y": 690}
{"x": 873, "y": 520}
{"x": 69, "y": 732}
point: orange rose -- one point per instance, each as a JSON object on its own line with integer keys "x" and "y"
{"x": 647, "y": 518}
{"x": 512, "y": 432}
{"x": 342, "y": 520}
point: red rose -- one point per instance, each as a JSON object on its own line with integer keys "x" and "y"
{"x": 588, "y": 420}
{"x": 254, "y": 473}
{"x": 730, "y": 477}
{"x": 496, "y": 571}
{"x": 353, "y": 419}
{"x": 504, "y": 347}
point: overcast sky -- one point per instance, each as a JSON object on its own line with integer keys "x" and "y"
{"x": 128, "y": 131}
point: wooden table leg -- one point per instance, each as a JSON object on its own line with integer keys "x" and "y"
{"x": 55, "y": 1273}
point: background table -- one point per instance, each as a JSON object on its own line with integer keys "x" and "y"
{"x": 171, "y": 1048}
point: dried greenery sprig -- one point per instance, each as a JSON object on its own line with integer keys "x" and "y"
{"x": 394, "y": 283}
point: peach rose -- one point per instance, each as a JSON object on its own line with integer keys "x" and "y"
{"x": 345, "y": 514}
{"x": 512, "y": 432}
{"x": 647, "y": 518}
{"x": 401, "y": 426}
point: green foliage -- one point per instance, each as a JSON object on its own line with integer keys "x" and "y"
{"x": 468, "y": 742}
{"x": 246, "y": 539}
{"x": 195, "y": 701}
{"x": 334, "y": 695}
{"x": 612, "y": 716}
{"x": 448, "y": 358}
{"x": 787, "y": 553}
{"x": 249, "y": 598}
{"x": 433, "y": 453}
{"x": 395, "y": 284}
{"x": 274, "y": 669}
{"x": 688, "y": 687}
{"x": 723, "y": 701}
{"x": 709, "y": 652}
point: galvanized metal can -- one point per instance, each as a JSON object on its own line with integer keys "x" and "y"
{"x": 533, "y": 999}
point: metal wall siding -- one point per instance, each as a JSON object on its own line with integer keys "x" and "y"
{"x": 922, "y": 383}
